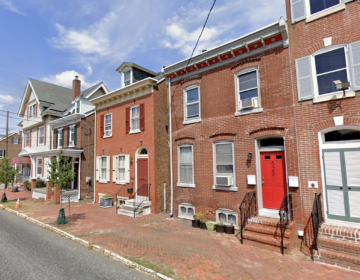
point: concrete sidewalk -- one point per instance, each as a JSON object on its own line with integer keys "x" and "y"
{"x": 173, "y": 248}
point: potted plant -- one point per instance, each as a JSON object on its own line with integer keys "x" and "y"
{"x": 200, "y": 216}
{"x": 195, "y": 222}
{"x": 211, "y": 225}
{"x": 229, "y": 229}
{"x": 106, "y": 201}
{"x": 220, "y": 227}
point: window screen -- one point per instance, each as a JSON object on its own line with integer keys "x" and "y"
{"x": 248, "y": 85}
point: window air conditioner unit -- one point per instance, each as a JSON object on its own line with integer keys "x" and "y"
{"x": 249, "y": 103}
{"x": 107, "y": 133}
{"x": 224, "y": 180}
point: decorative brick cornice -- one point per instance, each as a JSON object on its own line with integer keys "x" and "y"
{"x": 222, "y": 134}
{"x": 184, "y": 138}
{"x": 336, "y": 40}
{"x": 267, "y": 131}
{"x": 355, "y": 121}
{"x": 248, "y": 62}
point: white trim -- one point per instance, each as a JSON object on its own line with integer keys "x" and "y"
{"x": 38, "y": 132}
{"x": 191, "y": 184}
{"x": 185, "y": 90}
{"x": 270, "y": 213}
{"x": 137, "y": 155}
{"x": 227, "y": 212}
{"x": 323, "y": 13}
{"x": 131, "y": 129}
{"x": 111, "y": 126}
{"x": 187, "y": 206}
{"x": 37, "y": 164}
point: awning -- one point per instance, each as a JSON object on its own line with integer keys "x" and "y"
{"x": 23, "y": 160}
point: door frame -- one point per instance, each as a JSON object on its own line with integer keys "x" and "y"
{"x": 265, "y": 211}
{"x": 137, "y": 155}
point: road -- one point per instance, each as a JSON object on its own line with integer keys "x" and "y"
{"x": 28, "y": 251}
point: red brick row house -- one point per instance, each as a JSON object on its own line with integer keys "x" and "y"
{"x": 131, "y": 142}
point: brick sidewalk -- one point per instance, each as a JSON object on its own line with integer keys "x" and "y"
{"x": 173, "y": 247}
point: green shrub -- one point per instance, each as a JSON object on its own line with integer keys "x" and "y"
{"x": 40, "y": 183}
{"x": 106, "y": 196}
{"x": 27, "y": 185}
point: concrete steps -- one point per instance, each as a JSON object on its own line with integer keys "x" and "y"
{"x": 132, "y": 205}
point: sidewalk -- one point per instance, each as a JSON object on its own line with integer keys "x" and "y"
{"x": 172, "y": 247}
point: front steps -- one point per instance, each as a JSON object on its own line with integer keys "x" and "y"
{"x": 339, "y": 246}
{"x": 128, "y": 208}
{"x": 265, "y": 233}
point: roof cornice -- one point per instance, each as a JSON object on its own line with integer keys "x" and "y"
{"x": 130, "y": 64}
{"x": 74, "y": 118}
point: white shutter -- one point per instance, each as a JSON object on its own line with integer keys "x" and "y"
{"x": 127, "y": 169}
{"x": 333, "y": 169}
{"x": 304, "y": 78}
{"x": 354, "y": 203}
{"x": 108, "y": 168}
{"x": 336, "y": 202}
{"x": 355, "y": 65}
{"x": 115, "y": 160}
{"x": 298, "y": 11}
{"x": 352, "y": 163}
{"x": 97, "y": 168}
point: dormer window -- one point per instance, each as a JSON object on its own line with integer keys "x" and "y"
{"x": 78, "y": 106}
{"x": 127, "y": 78}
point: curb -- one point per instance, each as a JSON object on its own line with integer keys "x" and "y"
{"x": 87, "y": 243}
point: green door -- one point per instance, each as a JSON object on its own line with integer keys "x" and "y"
{"x": 342, "y": 184}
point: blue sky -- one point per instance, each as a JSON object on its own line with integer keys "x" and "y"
{"x": 55, "y": 40}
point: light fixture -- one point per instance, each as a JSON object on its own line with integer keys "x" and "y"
{"x": 249, "y": 156}
{"x": 341, "y": 86}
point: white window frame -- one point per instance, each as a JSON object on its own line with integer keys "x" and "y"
{"x": 37, "y": 167}
{"x": 101, "y": 167}
{"x": 130, "y": 80}
{"x": 187, "y": 206}
{"x": 17, "y": 140}
{"x": 323, "y": 13}
{"x": 190, "y": 184}
{"x": 110, "y": 133}
{"x": 314, "y": 75}
{"x": 2, "y": 153}
{"x": 27, "y": 138}
{"x": 185, "y": 90}
{"x": 131, "y": 118}
{"x": 227, "y": 212}
{"x": 77, "y": 106}
{"x": 60, "y": 135}
{"x": 245, "y": 111}
{"x": 32, "y": 111}
{"x": 72, "y": 134}
{"x": 116, "y": 169}
{"x": 43, "y": 137}
{"x": 227, "y": 188}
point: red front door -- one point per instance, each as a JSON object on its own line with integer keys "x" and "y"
{"x": 273, "y": 179}
{"x": 142, "y": 176}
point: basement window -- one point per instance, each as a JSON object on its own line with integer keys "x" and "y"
{"x": 227, "y": 216}
{"x": 186, "y": 211}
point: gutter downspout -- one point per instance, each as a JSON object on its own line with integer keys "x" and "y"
{"x": 94, "y": 179}
{"x": 170, "y": 146}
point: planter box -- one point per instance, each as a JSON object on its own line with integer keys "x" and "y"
{"x": 195, "y": 223}
{"x": 211, "y": 226}
{"x": 106, "y": 202}
{"x": 202, "y": 225}
{"x": 229, "y": 229}
{"x": 220, "y": 229}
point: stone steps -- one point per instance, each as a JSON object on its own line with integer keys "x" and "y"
{"x": 131, "y": 205}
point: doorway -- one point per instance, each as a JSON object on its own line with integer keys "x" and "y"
{"x": 142, "y": 174}
{"x": 76, "y": 174}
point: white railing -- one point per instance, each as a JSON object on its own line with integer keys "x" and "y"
{"x": 38, "y": 195}
{"x": 72, "y": 197}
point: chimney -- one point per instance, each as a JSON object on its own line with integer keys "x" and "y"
{"x": 76, "y": 87}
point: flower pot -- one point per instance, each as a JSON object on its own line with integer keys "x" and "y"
{"x": 14, "y": 189}
{"x": 220, "y": 229}
{"x": 202, "y": 225}
{"x": 195, "y": 223}
{"x": 106, "y": 202}
{"x": 211, "y": 226}
{"x": 229, "y": 229}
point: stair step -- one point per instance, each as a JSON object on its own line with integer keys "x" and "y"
{"x": 129, "y": 213}
{"x": 131, "y": 202}
{"x": 266, "y": 239}
{"x": 339, "y": 246}
{"x": 268, "y": 230}
{"x": 331, "y": 257}
{"x": 272, "y": 222}
{"x": 339, "y": 232}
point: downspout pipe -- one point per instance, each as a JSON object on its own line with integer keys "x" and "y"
{"x": 93, "y": 180}
{"x": 171, "y": 163}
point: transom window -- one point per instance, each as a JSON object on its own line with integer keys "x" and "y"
{"x": 121, "y": 168}
{"x": 39, "y": 167}
{"x": 186, "y": 165}
{"x": 272, "y": 142}
{"x": 27, "y": 138}
{"x": 107, "y": 125}
{"x": 192, "y": 103}
{"x": 72, "y": 136}
{"x": 41, "y": 135}
{"x": 330, "y": 66}
{"x": 319, "y": 5}
{"x": 144, "y": 152}
{"x": 342, "y": 135}
{"x": 127, "y": 77}
{"x": 78, "y": 106}
{"x": 135, "y": 118}
{"x": 103, "y": 167}
{"x": 32, "y": 111}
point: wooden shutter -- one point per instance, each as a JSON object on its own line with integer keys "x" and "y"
{"x": 298, "y": 11}
{"x": 115, "y": 161}
{"x": 142, "y": 117}
{"x": 127, "y": 168}
{"x": 56, "y": 139}
{"x": 44, "y": 134}
{"x": 108, "y": 168}
{"x": 355, "y": 65}
{"x": 75, "y": 135}
{"x": 304, "y": 78}
{"x": 68, "y": 136}
{"x": 127, "y": 120}
{"x": 97, "y": 168}
{"x": 102, "y": 118}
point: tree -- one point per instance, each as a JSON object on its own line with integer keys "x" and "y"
{"x": 7, "y": 174}
{"x": 60, "y": 174}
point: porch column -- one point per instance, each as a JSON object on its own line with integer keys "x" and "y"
{"x": 48, "y": 168}
{"x": 33, "y": 168}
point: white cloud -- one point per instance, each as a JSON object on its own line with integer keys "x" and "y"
{"x": 65, "y": 79}
{"x": 7, "y": 4}
{"x": 8, "y": 99}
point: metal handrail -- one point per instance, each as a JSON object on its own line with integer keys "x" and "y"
{"x": 317, "y": 218}
{"x": 286, "y": 216}
{"x": 133, "y": 197}
{"x": 116, "y": 208}
{"x": 246, "y": 210}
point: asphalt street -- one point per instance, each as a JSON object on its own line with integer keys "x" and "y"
{"x": 28, "y": 251}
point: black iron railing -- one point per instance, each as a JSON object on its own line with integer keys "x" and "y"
{"x": 142, "y": 194}
{"x": 122, "y": 192}
{"x": 317, "y": 218}
{"x": 286, "y": 216}
{"x": 247, "y": 209}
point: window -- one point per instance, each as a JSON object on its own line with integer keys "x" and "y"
{"x": 15, "y": 140}
{"x": 121, "y": 169}
{"x": 227, "y": 216}
{"x": 186, "y": 211}
{"x": 107, "y": 125}
{"x": 330, "y": 66}
{"x": 72, "y": 136}
{"x": 41, "y": 135}
{"x": 192, "y": 104}
{"x": 39, "y": 163}
{"x": 319, "y": 5}
{"x": 2, "y": 153}
{"x": 342, "y": 135}
{"x": 103, "y": 168}
{"x": 135, "y": 118}
{"x": 44, "y": 108}
{"x": 78, "y": 106}
{"x": 32, "y": 111}
{"x": 27, "y": 138}
{"x": 186, "y": 166}
{"x": 224, "y": 165}
{"x": 127, "y": 78}
{"x": 269, "y": 142}
{"x": 60, "y": 138}
{"x": 248, "y": 89}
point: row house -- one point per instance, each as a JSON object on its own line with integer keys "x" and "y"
{"x": 51, "y": 115}
{"x": 14, "y": 148}
{"x": 132, "y": 151}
